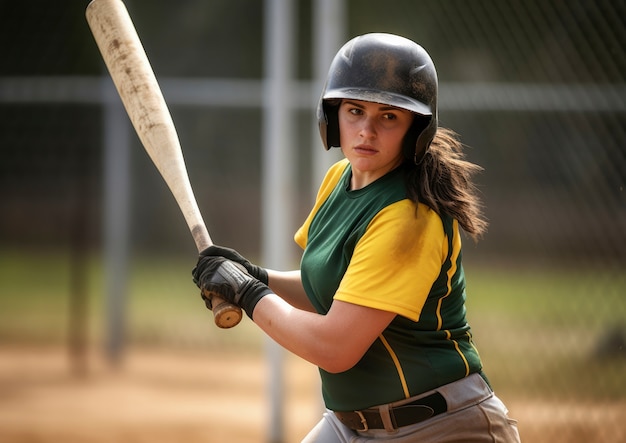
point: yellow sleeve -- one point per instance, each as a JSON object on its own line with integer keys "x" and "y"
{"x": 328, "y": 184}
{"x": 396, "y": 261}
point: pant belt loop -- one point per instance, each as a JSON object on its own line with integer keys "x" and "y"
{"x": 386, "y": 418}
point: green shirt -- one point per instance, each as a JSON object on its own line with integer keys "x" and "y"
{"x": 374, "y": 247}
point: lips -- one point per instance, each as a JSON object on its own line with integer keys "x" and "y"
{"x": 365, "y": 149}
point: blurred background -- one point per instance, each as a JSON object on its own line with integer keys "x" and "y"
{"x": 95, "y": 256}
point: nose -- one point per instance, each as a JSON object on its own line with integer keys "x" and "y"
{"x": 368, "y": 128}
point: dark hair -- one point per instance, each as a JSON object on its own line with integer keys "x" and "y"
{"x": 442, "y": 180}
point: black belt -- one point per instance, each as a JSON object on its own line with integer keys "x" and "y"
{"x": 408, "y": 414}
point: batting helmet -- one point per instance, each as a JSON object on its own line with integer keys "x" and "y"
{"x": 386, "y": 69}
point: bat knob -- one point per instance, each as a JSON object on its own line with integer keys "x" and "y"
{"x": 226, "y": 315}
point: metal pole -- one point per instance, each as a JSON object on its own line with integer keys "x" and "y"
{"x": 329, "y": 29}
{"x": 116, "y": 208}
{"x": 277, "y": 177}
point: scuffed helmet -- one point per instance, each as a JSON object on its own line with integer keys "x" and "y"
{"x": 386, "y": 69}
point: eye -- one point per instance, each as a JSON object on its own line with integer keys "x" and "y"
{"x": 355, "y": 111}
{"x": 390, "y": 116}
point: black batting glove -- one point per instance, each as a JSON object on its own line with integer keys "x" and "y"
{"x": 218, "y": 276}
{"x": 219, "y": 251}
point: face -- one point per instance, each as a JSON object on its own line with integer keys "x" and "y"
{"x": 371, "y": 137}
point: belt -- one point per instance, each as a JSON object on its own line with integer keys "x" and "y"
{"x": 405, "y": 415}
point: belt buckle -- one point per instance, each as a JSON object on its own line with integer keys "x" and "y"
{"x": 363, "y": 422}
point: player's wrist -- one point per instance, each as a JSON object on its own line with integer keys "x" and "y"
{"x": 254, "y": 291}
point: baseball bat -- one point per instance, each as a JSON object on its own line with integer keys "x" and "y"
{"x": 141, "y": 95}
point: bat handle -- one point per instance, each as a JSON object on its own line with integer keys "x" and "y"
{"x": 226, "y": 315}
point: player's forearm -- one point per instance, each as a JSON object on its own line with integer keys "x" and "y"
{"x": 300, "y": 332}
{"x": 288, "y": 285}
{"x": 327, "y": 341}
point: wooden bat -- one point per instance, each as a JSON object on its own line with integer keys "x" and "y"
{"x": 141, "y": 95}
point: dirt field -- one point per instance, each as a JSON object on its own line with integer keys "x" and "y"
{"x": 160, "y": 396}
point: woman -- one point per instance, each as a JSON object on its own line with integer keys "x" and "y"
{"x": 379, "y": 301}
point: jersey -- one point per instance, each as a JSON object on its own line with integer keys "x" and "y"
{"x": 374, "y": 247}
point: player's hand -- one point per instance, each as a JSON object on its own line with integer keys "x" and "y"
{"x": 219, "y": 251}
{"x": 216, "y": 275}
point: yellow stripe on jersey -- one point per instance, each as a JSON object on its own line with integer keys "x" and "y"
{"x": 398, "y": 366}
{"x": 471, "y": 342}
{"x": 458, "y": 350}
{"x": 456, "y": 250}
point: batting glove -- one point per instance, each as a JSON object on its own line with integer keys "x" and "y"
{"x": 216, "y": 275}
{"x": 219, "y": 251}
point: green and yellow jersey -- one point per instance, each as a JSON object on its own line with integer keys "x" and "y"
{"x": 376, "y": 248}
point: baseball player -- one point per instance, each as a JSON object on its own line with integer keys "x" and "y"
{"x": 378, "y": 303}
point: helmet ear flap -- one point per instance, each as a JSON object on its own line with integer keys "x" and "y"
{"x": 410, "y": 144}
{"x": 329, "y": 123}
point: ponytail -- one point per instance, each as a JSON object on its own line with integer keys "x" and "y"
{"x": 442, "y": 180}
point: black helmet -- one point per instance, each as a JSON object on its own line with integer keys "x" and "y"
{"x": 386, "y": 69}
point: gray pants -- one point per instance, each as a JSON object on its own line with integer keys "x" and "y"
{"x": 475, "y": 415}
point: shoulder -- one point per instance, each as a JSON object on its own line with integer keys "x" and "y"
{"x": 332, "y": 177}
{"x": 415, "y": 217}
{"x": 397, "y": 260}
{"x": 406, "y": 229}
